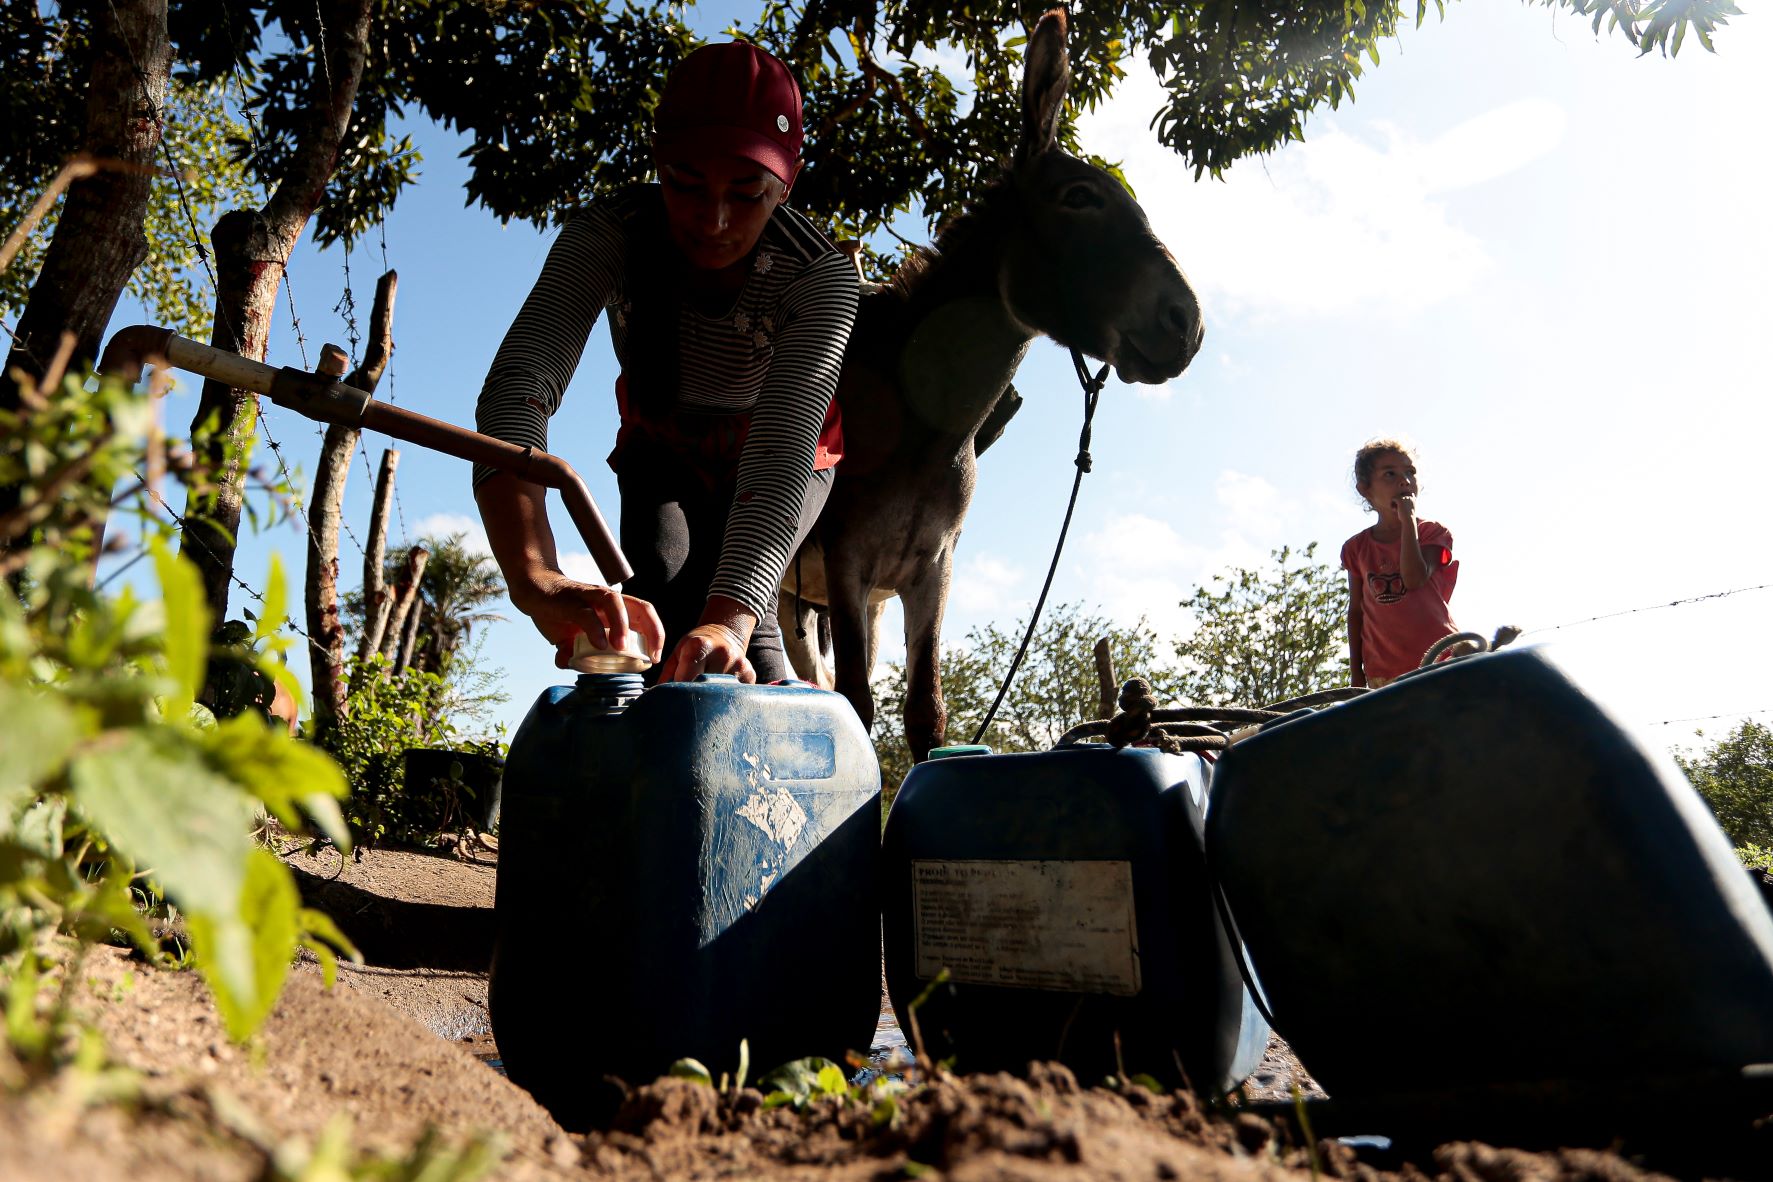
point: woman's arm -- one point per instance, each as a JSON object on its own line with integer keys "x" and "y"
{"x": 524, "y": 387}
{"x": 516, "y": 517}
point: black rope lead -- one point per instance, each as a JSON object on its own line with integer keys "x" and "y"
{"x": 1092, "y": 391}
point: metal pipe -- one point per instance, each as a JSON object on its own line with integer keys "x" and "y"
{"x": 328, "y": 401}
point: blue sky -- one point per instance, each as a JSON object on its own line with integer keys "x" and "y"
{"x": 1538, "y": 256}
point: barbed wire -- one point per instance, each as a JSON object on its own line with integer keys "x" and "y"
{"x": 157, "y": 112}
{"x": 294, "y": 319}
{"x": 1711, "y": 717}
{"x": 346, "y": 308}
{"x": 254, "y": 134}
{"x": 29, "y": 352}
{"x": 1650, "y": 608}
{"x": 180, "y": 524}
{"x": 393, "y": 392}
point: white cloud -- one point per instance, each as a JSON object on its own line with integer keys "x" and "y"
{"x": 1490, "y": 145}
{"x": 1337, "y": 224}
{"x": 983, "y": 585}
{"x": 1141, "y": 565}
{"x": 1251, "y": 505}
{"x": 579, "y": 565}
{"x": 442, "y": 525}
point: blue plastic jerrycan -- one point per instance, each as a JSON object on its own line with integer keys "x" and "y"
{"x": 680, "y": 869}
{"x": 1065, "y": 894}
{"x": 1480, "y": 867}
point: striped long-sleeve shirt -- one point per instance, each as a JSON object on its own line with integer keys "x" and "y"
{"x": 776, "y": 354}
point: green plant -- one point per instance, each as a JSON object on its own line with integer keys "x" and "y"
{"x": 387, "y": 714}
{"x": 114, "y": 782}
{"x": 1756, "y": 857}
{"x": 1735, "y": 775}
{"x": 170, "y": 282}
{"x": 236, "y": 679}
{"x": 1266, "y": 634}
{"x": 330, "y": 1157}
{"x": 1055, "y": 688}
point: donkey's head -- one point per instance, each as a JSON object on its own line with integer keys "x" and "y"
{"x": 1086, "y": 268}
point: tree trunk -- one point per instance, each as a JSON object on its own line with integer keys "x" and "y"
{"x": 405, "y": 601}
{"x": 378, "y": 602}
{"x": 326, "y": 655}
{"x": 1106, "y": 692}
{"x": 252, "y": 250}
{"x": 98, "y": 240}
{"x": 409, "y": 637}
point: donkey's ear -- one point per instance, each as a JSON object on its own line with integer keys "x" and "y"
{"x": 1046, "y": 73}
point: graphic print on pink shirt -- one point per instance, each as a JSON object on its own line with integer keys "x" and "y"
{"x": 1397, "y": 624}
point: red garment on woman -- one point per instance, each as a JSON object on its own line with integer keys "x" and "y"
{"x": 712, "y": 442}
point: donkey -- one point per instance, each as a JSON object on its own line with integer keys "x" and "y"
{"x": 1053, "y": 247}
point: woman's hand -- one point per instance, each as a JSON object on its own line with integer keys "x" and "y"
{"x": 716, "y": 645}
{"x": 561, "y": 608}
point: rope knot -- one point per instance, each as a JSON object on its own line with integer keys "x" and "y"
{"x": 1133, "y": 722}
{"x": 1083, "y": 460}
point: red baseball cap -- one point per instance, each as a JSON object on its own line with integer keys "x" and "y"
{"x": 732, "y": 98}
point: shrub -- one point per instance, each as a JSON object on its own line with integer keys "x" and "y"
{"x": 111, "y": 776}
{"x": 387, "y": 714}
{"x": 1735, "y": 775}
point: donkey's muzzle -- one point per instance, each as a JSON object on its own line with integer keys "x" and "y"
{"x": 1162, "y": 348}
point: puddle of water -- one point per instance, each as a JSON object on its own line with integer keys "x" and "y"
{"x": 888, "y": 1055}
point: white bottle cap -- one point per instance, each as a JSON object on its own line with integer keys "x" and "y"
{"x": 589, "y": 658}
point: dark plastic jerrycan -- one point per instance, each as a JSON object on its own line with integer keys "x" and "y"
{"x": 1065, "y": 893}
{"x": 1480, "y": 867}
{"x": 680, "y": 869}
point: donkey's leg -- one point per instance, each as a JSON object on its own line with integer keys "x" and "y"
{"x": 800, "y": 639}
{"x": 876, "y": 612}
{"x": 926, "y": 714}
{"x": 848, "y": 592}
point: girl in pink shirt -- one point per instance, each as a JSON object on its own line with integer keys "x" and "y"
{"x": 1401, "y": 571}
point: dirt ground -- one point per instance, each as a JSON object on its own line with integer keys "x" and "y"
{"x": 402, "y": 1046}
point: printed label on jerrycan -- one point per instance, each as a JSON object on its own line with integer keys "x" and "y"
{"x": 1028, "y": 924}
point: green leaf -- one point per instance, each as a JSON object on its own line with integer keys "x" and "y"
{"x": 24, "y": 1030}
{"x": 691, "y": 1069}
{"x": 37, "y": 733}
{"x": 276, "y": 602}
{"x": 320, "y": 935}
{"x": 159, "y": 804}
{"x": 40, "y": 826}
{"x": 329, "y": 818}
{"x": 279, "y": 770}
{"x": 244, "y": 952}
{"x": 799, "y": 1078}
{"x": 186, "y": 636}
{"x": 832, "y": 1081}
